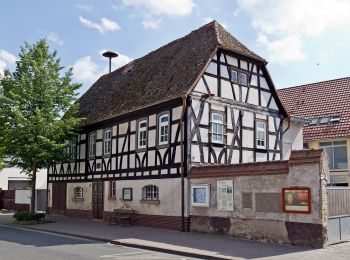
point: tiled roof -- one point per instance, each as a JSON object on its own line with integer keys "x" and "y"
{"x": 327, "y": 98}
{"x": 299, "y": 157}
{"x": 159, "y": 76}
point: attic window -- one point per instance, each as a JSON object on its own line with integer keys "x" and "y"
{"x": 324, "y": 120}
{"x": 128, "y": 69}
{"x": 335, "y": 119}
{"x": 313, "y": 121}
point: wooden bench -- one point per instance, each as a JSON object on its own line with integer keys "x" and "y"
{"x": 122, "y": 216}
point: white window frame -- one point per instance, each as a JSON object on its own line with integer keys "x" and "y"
{"x": 217, "y": 123}
{"x": 239, "y": 78}
{"x": 150, "y": 192}
{"x": 207, "y": 194}
{"x": 113, "y": 191}
{"x": 73, "y": 148}
{"x": 261, "y": 130}
{"x": 333, "y": 158}
{"x": 78, "y": 192}
{"x": 165, "y": 126}
{"x": 107, "y": 142}
{"x": 232, "y": 78}
{"x": 141, "y": 130}
{"x": 92, "y": 145}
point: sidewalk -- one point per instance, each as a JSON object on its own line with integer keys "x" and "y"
{"x": 187, "y": 243}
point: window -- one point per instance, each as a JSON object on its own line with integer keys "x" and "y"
{"x": 313, "y": 121}
{"x": 324, "y": 120}
{"x": 112, "y": 189}
{"x": 242, "y": 78}
{"x": 217, "y": 127}
{"x": 78, "y": 193}
{"x": 200, "y": 195}
{"x": 92, "y": 144}
{"x": 337, "y": 154}
{"x": 234, "y": 76}
{"x": 73, "y": 148}
{"x": 260, "y": 134}
{"x": 142, "y": 134}
{"x": 163, "y": 129}
{"x": 150, "y": 192}
{"x": 107, "y": 142}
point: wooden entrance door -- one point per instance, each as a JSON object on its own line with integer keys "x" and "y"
{"x": 59, "y": 196}
{"x": 97, "y": 199}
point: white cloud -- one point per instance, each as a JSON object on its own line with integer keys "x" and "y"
{"x": 163, "y": 7}
{"x": 151, "y": 23}
{"x": 88, "y": 8}
{"x": 104, "y": 26}
{"x": 152, "y": 10}
{"x": 284, "y": 50}
{"x": 6, "y": 60}
{"x": 292, "y": 19}
{"x": 85, "y": 70}
{"x": 54, "y": 37}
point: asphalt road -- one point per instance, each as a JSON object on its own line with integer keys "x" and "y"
{"x": 16, "y": 243}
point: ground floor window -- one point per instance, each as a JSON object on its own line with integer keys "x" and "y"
{"x": 200, "y": 195}
{"x": 112, "y": 189}
{"x": 78, "y": 192}
{"x": 150, "y": 192}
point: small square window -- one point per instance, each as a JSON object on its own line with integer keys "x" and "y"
{"x": 234, "y": 76}
{"x": 200, "y": 195}
{"x": 242, "y": 78}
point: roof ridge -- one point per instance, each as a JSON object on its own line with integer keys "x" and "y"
{"x": 216, "y": 28}
{"x": 317, "y": 82}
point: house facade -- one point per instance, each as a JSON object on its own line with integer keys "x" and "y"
{"x": 326, "y": 106}
{"x": 200, "y": 100}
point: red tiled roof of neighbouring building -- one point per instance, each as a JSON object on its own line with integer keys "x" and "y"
{"x": 326, "y": 98}
{"x": 305, "y": 156}
{"x": 300, "y": 157}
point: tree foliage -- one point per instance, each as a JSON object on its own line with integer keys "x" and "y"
{"x": 37, "y": 108}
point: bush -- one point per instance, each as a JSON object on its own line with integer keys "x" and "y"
{"x": 28, "y": 216}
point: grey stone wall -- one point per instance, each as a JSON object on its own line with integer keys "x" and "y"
{"x": 258, "y": 212}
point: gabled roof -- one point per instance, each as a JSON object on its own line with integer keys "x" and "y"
{"x": 327, "y": 98}
{"x": 159, "y": 76}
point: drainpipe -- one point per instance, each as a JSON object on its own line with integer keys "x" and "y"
{"x": 184, "y": 104}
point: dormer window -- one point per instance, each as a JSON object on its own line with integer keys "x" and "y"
{"x": 142, "y": 134}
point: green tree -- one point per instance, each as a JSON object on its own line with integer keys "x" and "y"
{"x": 37, "y": 110}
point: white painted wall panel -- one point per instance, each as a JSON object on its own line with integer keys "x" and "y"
{"x": 253, "y": 97}
{"x": 152, "y": 138}
{"x": 223, "y": 71}
{"x": 264, "y": 98}
{"x": 212, "y": 84}
{"x": 248, "y": 138}
{"x": 244, "y": 65}
{"x": 247, "y": 156}
{"x": 123, "y": 128}
{"x": 261, "y": 157}
{"x": 212, "y": 68}
{"x": 226, "y": 90}
{"x": 248, "y": 119}
{"x": 232, "y": 61}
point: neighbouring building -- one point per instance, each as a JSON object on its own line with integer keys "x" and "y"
{"x": 204, "y": 99}
{"x": 15, "y": 186}
{"x": 326, "y": 106}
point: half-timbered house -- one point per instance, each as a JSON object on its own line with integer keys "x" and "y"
{"x": 202, "y": 99}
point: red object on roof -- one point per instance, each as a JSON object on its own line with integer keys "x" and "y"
{"x": 326, "y": 98}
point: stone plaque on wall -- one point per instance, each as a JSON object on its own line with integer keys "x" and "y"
{"x": 247, "y": 200}
{"x": 268, "y": 202}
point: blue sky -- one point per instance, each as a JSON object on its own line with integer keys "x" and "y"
{"x": 304, "y": 40}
